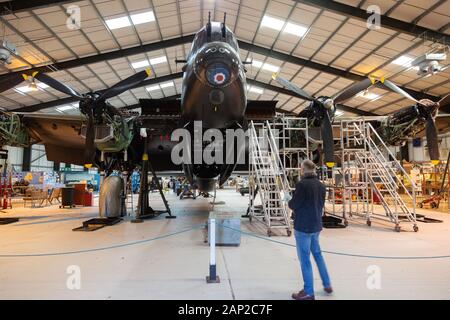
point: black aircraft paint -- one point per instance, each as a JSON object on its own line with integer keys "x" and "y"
{"x": 213, "y": 92}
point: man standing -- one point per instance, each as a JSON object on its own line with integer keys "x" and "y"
{"x": 307, "y": 204}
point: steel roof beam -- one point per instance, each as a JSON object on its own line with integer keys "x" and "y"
{"x": 8, "y": 7}
{"x": 386, "y": 21}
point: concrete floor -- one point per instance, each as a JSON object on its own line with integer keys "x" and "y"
{"x": 174, "y": 267}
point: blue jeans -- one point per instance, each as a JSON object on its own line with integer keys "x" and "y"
{"x": 309, "y": 243}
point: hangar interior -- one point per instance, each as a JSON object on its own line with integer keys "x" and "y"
{"x": 359, "y": 87}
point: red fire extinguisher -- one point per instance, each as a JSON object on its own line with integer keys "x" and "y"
{"x": 7, "y": 203}
{"x": 5, "y": 200}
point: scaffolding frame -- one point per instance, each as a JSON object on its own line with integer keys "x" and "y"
{"x": 292, "y": 131}
{"x": 369, "y": 168}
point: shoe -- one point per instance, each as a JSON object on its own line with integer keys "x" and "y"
{"x": 328, "y": 290}
{"x": 301, "y": 295}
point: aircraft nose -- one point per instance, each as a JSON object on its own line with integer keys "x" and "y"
{"x": 217, "y": 65}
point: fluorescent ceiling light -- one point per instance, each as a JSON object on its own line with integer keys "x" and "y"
{"x": 368, "y": 95}
{"x": 160, "y": 86}
{"x": 265, "y": 66}
{"x": 64, "y": 108}
{"x": 158, "y": 60}
{"x": 256, "y": 90}
{"x": 295, "y": 29}
{"x": 257, "y": 64}
{"x": 404, "y": 61}
{"x": 270, "y": 67}
{"x": 436, "y": 56}
{"x": 140, "y": 64}
{"x": 338, "y": 113}
{"x": 166, "y": 85}
{"x": 153, "y": 88}
{"x": 146, "y": 63}
{"x": 26, "y": 89}
{"x": 118, "y": 23}
{"x": 272, "y": 23}
{"x": 144, "y": 17}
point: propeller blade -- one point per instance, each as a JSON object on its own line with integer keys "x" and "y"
{"x": 292, "y": 87}
{"x": 353, "y": 90}
{"x": 327, "y": 139}
{"x": 125, "y": 84}
{"x": 89, "y": 150}
{"x": 444, "y": 101}
{"x": 392, "y": 86}
{"x": 11, "y": 81}
{"x": 55, "y": 84}
{"x": 432, "y": 139}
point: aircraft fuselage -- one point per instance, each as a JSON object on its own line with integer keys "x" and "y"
{"x": 214, "y": 92}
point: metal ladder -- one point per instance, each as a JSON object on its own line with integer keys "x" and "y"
{"x": 381, "y": 173}
{"x": 268, "y": 178}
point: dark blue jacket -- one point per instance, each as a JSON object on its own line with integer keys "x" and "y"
{"x": 307, "y": 204}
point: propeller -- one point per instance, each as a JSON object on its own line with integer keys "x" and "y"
{"x": 444, "y": 101}
{"x": 292, "y": 87}
{"x": 125, "y": 84}
{"x": 393, "y": 87}
{"x": 432, "y": 139}
{"x": 430, "y": 127}
{"x": 89, "y": 150}
{"x": 324, "y": 106}
{"x": 91, "y": 105}
{"x": 327, "y": 138}
{"x": 430, "y": 108}
{"x": 353, "y": 90}
{"x": 55, "y": 84}
{"x": 10, "y": 81}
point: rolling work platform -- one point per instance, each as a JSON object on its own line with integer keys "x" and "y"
{"x": 291, "y": 135}
{"x": 268, "y": 180}
{"x": 370, "y": 173}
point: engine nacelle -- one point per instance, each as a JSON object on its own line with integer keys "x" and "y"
{"x": 111, "y": 197}
{"x": 12, "y": 131}
{"x": 112, "y": 137}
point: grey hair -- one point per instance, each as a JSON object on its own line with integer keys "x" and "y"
{"x": 308, "y": 166}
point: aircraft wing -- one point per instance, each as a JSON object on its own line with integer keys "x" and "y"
{"x": 160, "y": 108}
{"x": 59, "y": 134}
{"x": 260, "y": 109}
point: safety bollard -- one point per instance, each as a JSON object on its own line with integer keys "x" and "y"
{"x": 213, "y": 277}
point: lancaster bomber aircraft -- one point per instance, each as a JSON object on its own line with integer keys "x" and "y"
{"x": 214, "y": 91}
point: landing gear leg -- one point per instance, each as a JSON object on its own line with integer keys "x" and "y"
{"x": 144, "y": 209}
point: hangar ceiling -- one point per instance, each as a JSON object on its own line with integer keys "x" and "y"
{"x": 319, "y": 45}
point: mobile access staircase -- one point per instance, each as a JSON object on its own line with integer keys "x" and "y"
{"x": 370, "y": 171}
{"x": 268, "y": 179}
